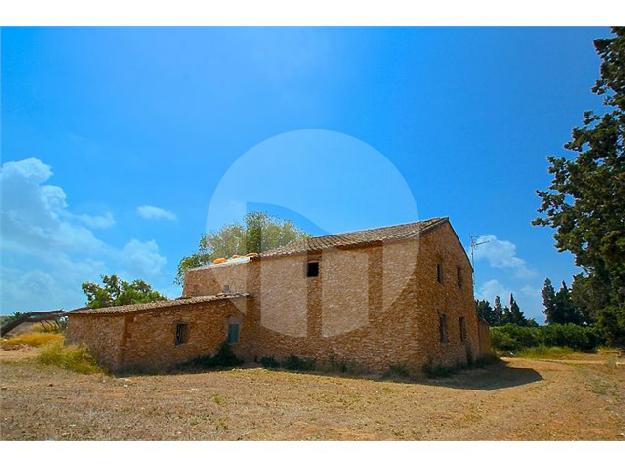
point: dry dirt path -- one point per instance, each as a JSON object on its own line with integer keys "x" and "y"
{"x": 518, "y": 399}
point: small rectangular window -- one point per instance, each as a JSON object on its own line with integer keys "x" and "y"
{"x": 233, "y": 333}
{"x": 442, "y": 328}
{"x": 439, "y": 272}
{"x": 459, "y": 275}
{"x": 181, "y": 333}
{"x": 312, "y": 269}
{"x": 463, "y": 329}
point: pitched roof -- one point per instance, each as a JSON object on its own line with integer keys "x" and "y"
{"x": 397, "y": 232}
{"x": 150, "y": 306}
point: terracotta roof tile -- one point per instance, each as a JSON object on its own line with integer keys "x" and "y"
{"x": 397, "y": 232}
{"x": 150, "y": 306}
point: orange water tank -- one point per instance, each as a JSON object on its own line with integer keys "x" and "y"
{"x": 219, "y": 260}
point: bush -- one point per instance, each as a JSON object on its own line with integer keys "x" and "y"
{"x": 74, "y": 358}
{"x": 297, "y": 363}
{"x": 35, "y": 339}
{"x": 436, "y": 371}
{"x": 225, "y": 357}
{"x": 398, "y": 370}
{"x": 514, "y": 338}
{"x": 269, "y": 362}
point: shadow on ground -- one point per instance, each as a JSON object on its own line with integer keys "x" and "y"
{"x": 494, "y": 376}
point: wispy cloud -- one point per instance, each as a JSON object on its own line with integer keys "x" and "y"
{"x": 501, "y": 254}
{"x": 155, "y": 213}
{"x": 104, "y": 221}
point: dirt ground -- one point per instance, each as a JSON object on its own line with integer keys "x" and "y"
{"x": 575, "y": 398}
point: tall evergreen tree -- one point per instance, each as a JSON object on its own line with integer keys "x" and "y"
{"x": 549, "y": 302}
{"x": 585, "y": 202}
{"x": 516, "y": 316}
{"x": 567, "y": 312}
{"x": 498, "y": 311}
{"x": 585, "y": 297}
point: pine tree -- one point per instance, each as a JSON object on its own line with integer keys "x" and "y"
{"x": 585, "y": 201}
{"x": 498, "y": 312}
{"x": 549, "y": 301}
{"x": 516, "y": 316}
{"x": 567, "y": 312}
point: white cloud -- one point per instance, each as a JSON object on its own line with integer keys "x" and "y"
{"x": 143, "y": 258}
{"x": 34, "y": 215}
{"x": 154, "y": 212}
{"x": 104, "y": 221}
{"x": 48, "y": 250}
{"x": 501, "y": 254}
{"x": 492, "y": 288}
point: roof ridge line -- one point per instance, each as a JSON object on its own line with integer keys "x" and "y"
{"x": 436, "y": 219}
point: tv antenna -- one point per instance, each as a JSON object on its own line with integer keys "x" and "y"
{"x": 474, "y": 244}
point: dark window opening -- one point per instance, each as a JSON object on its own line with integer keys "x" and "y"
{"x": 233, "y": 333}
{"x": 459, "y": 273}
{"x": 181, "y": 333}
{"x": 442, "y": 328}
{"x": 226, "y": 289}
{"x": 312, "y": 269}
{"x": 439, "y": 272}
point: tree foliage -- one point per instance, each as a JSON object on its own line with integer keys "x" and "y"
{"x": 258, "y": 233}
{"x": 516, "y": 316}
{"x": 486, "y": 312}
{"x": 499, "y": 315}
{"x": 117, "y": 292}
{"x": 560, "y": 307}
{"x": 585, "y": 202}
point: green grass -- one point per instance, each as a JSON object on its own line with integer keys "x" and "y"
{"x": 74, "y": 358}
{"x": 542, "y": 351}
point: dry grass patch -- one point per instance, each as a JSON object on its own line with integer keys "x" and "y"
{"x": 34, "y": 339}
{"x": 74, "y": 358}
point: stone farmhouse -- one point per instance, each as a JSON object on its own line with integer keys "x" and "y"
{"x": 373, "y": 298}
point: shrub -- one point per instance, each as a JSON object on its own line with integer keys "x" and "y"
{"x": 297, "y": 363}
{"x": 74, "y": 358}
{"x": 34, "y": 339}
{"x": 398, "y": 370}
{"x": 514, "y": 338}
{"x": 225, "y": 357}
{"x": 434, "y": 371}
{"x": 269, "y": 362}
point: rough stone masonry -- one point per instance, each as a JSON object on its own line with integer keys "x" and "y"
{"x": 368, "y": 299}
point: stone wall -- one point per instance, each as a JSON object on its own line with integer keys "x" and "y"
{"x": 370, "y": 306}
{"x": 486, "y": 348}
{"x": 146, "y": 339}
{"x": 447, "y": 298}
{"x": 102, "y": 334}
{"x": 213, "y": 280}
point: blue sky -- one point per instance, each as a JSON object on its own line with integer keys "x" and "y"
{"x": 121, "y": 146}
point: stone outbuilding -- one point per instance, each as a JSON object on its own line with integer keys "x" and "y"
{"x": 369, "y": 299}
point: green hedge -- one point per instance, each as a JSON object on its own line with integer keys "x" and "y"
{"x": 515, "y": 338}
